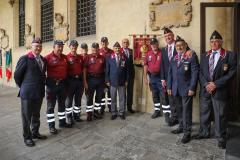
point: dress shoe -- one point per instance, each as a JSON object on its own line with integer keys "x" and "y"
{"x": 113, "y": 117}
{"x": 29, "y": 142}
{"x": 156, "y": 114}
{"x": 186, "y": 138}
{"x": 89, "y": 116}
{"x": 222, "y": 144}
{"x": 130, "y": 110}
{"x": 177, "y": 131}
{"x": 97, "y": 115}
{"x": 39, "y": 136}
{"x": 199, "y": 136}
{"x": 102, "y": 110}
{"x": 65, "y": 125}
{"x": 172, "y": 122}
{"x": 78, "y": 119}
{"x": 53, "y": 130}
{"x": 123, "y": 117}
{"x": 109, "y": 109}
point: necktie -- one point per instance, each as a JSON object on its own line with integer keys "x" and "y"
{"x": 39, "y": 61}
{"x": 118, "y": 59}
{"x": 211, "y": 65}
{"x": 127, "y": 53}
{"x": 179, "y": 59}
{"x": 169, "y": 53}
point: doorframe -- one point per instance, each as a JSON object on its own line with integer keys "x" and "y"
{"x": 236, "y": 35}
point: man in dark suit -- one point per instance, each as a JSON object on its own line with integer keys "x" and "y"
{"x": 116, "y": 76}
{"x": 30, "y": 76}
{"x": 182, "y": 84}
{"x": 129, "y": 55}
{"x": 168, "y": 53}
{"x": 217, "y": 67}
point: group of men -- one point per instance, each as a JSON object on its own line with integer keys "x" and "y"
{"x": 172, "y": 73}
{"x": 103, "y": 73}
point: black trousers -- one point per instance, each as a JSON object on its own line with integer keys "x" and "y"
{"x": 95, "y": 85}
{"x": 75, "y": 92}
{"x": 173, "y": 108}
{"x": 30, "y": 116}
{"x": 56, "y": 92}
{"x": 184, "y": 111}
{"x": 129, "y": 95}
{"x": 106, "y": 97}
{"x": 207, "y": 104}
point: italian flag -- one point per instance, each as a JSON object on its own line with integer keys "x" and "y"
{"x": 9, "y": 64}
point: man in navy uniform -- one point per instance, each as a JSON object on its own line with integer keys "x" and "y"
{"x": 30, "y": 77}
{"x": 56, "y": 86}
{"x": 116, "y": 76}
{"x": 75, "y": 83}
{"x": 106, "y": 52}
{"x": 131, "y": 74}
{"x": 94, "y": 66}
{"x": 182, "y": 84}
{"x": 217, "y": 67}
{"x": 168, "y": 53}
{"x": 153, "y": 67}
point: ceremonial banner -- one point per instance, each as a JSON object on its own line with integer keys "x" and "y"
{"x": 9, "y": 64}
{"x": 141, "y": 45}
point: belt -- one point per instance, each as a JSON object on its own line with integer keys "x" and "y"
{"x": 56, "y": 81}
{"x": 95, "y": 75}
{"x": 154, "y": 74}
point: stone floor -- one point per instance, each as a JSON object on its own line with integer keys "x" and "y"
{"x": 137, "y": 138}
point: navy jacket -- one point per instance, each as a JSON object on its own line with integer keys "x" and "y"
{"x": 116, "y": 75}
{"x": 166, "y": 62}
{"x": 184, "y": 77}
{"x": 30, "y": 78}
{"x": 131, "y": 70}
{"x": 225, "y": 69}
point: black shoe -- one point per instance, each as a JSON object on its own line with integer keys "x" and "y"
{"x": 65, "y": 125}
{"x": 97, "y": 115}
{"x": 123, "y": 117}
{"x": 29, "y": 142}
{"x": 70, "y": 120}
{"x": 113, "y": 117}
{"x": 177, "y": 131}
{"x": 39, "y": 136}
{"x": 156, "y": 114}
{"x": 130, "y": 110}
{"x": 199, "y": 136}
{"x": 53, "y": 130}
{"x": 78, "y": 119}
{"x": 172, "y": 122}
{"x": 222, "y": 144}
{"x": 89, "y": 116}
{"x": 102, "y": 110}
{"x": 167, "y": 118}
{"x": 109, "y": 109}
{"x": 186, "y": 138}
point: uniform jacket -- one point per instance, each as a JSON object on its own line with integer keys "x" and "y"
{"x": 131, "y": 70}
{"x": 183, "y": 77}
{"x": 116, "y": 75}
{"x": 30, "y": 78}
{"x": 225, "y": 69}
{"x": 166, "y": 61}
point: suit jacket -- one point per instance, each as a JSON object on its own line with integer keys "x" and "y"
{"x": 184, "y": 77}
{"x": 225, "y": 69}
{"x": 30, "y": 78}
{"x": 117, "y": 75}
{"x": 166, "y": 62}
{"x": 131, "y": 70}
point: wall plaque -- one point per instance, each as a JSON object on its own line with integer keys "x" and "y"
{"x": 61, "y": 31}
{"x": 170, "y": 13}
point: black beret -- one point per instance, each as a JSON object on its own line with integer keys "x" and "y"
{"x": 153, "y": 41}
{"x": 58, "y": 42}
{"x": 179, "y": 39}
{"x": 95, "y": 45}
{"x": 167, "y": 30}
{"x": 37, "y": 40}
{"x": 215, "y": 35}
{"x": 104, "y": 39}
{"x": 116, "y": 45}
{"x": 84, "y": 46}
{"x": 73, "y": 43}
